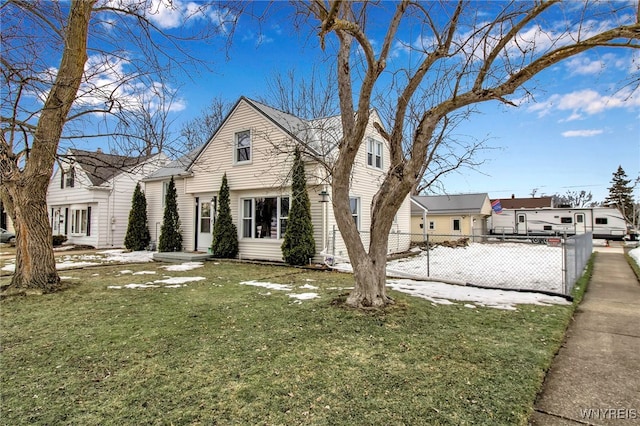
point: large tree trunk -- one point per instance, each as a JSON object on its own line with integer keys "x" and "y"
{"x": 25, "y": 191}
{"x": 35, "y": 262}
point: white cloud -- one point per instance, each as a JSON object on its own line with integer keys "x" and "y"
{"x": 587, "y": 101}
{"x": 581, "y": 133}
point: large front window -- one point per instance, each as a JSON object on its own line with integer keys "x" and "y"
{"x": 79, "y": 222}
{"x": 265, "y": 217}
{"x": 243, "y": 147}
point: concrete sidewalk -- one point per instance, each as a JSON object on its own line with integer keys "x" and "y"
{"x": 595, "y": 377}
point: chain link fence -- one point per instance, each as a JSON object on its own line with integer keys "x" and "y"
{"x": 550, "y": 265}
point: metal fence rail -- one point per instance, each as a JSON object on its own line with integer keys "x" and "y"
{"x": 549, "y": 265}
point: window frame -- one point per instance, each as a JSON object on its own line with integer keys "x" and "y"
{"x": 358, "y": 211}
{"x": 237, "y": 148}
{"x": 375, "y": 154}
{"x": 455, "y": 221}
{"x": 432, "y": 225}
{"x": 601, "y": 221}
{"x": 81, "y": 215}
{"x": 249, "y": 226}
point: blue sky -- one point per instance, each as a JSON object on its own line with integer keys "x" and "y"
{"x": 583, "y": 124}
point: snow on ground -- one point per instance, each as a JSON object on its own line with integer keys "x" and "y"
{"x": 169, "y": 282}
{"x": 441, "y": 293}
{"x": 186, "y": 266}
{"x": 507, "y": 265}
{"x": 270, "y": 286}
{"x": 635, "y": 253}
{"x": 76, "y": 261}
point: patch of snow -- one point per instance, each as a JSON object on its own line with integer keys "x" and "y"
{"x": 309, "y": 286}
{"x": 126, "y": 271}
{"x": 468, "y": 305}
{"x": 499, "y": 299}
{"x": 144, "y": 273}
{"x": 186, "y": 266}
{"x": 179, "y": 280}
{"x": 117, "y": 287}
{"x": 304, "y": 296}
{"x": 71, "y": 264}
{"x": 127, "y": 257}
{"x": 635, "y": 254}
{"x": 271, "y": 286}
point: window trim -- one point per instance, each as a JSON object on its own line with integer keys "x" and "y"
{"x": 236, "y": 148}
{"x": 375, "y": 154}
{"x": 432, "y": 225}
{"x": 357, "y": 216}
{"x": 453, "y": 224}
{"x": 249, "y": 218}
{"x": 81, "y": 215}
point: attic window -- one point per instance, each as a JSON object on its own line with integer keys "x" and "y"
{"x": 68, "y": 178}
{"x": 374, "y": 154}
{"x": 243, "y": 147}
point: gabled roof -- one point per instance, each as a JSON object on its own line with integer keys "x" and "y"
{"x": 525, "y": 203}
{"x": 319, "y": 135}
{"x": 175, "y": 168}
{"x": 101, "y": 167}
{"x": 452, "y": 204}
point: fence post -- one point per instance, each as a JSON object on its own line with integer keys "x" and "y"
{"x": 333, "y": 244}
{"x": 428, "y": 251}
{"x": 565, "y": 270}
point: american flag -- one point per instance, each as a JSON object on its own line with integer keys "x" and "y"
{"x": 496, "y": 206}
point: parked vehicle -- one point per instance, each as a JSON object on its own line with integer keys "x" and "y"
{"x": 604, "y": 222}
{"x": 6, "y": 236}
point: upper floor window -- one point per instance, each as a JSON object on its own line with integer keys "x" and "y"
{"x": 374, "y": 154}
{"x": 68, "y": 178}
{"x": 243, "y": 147}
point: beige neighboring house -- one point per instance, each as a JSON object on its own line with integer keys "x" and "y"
{"x": 253, "y": 146}
{"x": 89, "y": 196}
{"x": 449, "y": 216}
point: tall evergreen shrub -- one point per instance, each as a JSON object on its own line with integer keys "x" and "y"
{"x": 225, "y": 233}
{"x": 298, "y": 245}
{"x": 137, "y": 237}
{"x": 170, "y": 236}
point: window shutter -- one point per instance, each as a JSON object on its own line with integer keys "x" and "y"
{"x": 88, "y": 221}
{"x": 66, "y": 221}
{"x": 61, "y": 179}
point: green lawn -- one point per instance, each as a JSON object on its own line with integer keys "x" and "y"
{"x": 216, "y": 352}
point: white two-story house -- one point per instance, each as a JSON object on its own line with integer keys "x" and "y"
{"x": 89, "y": 196}
{"x": 254, "y": 147}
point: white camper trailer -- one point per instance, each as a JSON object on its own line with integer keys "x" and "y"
{"x": 603, "y": 222}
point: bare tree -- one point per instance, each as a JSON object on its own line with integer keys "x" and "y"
{"x": 463, "y": 57}
{"x": 198, "y": 130}
{"x": 112, "y": 81}
{"x": 580, "y": 198}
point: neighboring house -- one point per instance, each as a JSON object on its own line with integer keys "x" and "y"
{"x": 450, "y": 215}
{"x": 525, "y": 203}
{"x": 5, "y": 220}
{"x": 89, "y": 196}
{"x": 253, "y": 146}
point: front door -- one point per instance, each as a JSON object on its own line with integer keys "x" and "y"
{"x": 521, "y": 224}
{"x": 580, "y": 223}
{"x": 58, "y": 222}
{"x": 206, "y": 210}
